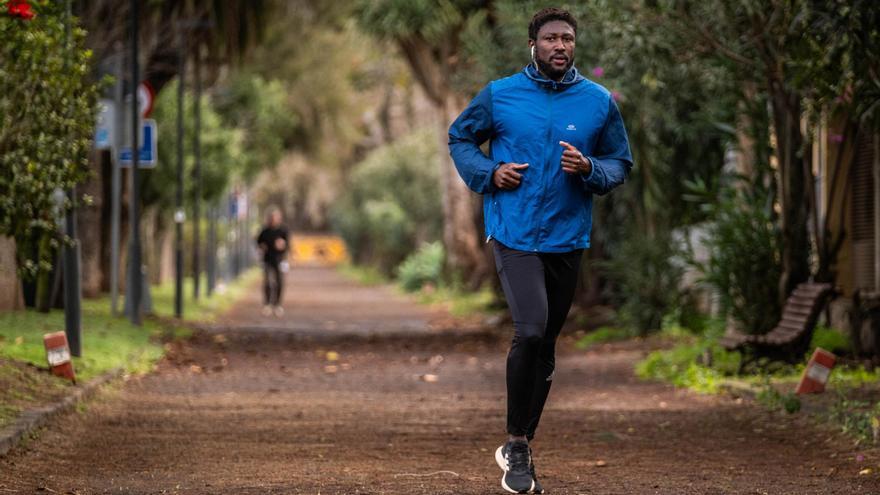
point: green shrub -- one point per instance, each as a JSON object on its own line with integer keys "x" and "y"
{"x": 697, "y": 363}
{"x": 858, "y": 418}
{"x": 679, "y": 367}
{"x": 831, "y": 340}
{"x": 47, "y": 121}
{"x": 424, "y": 266}
{"x": 647, "y": 273}
{"x": 744, "y": 264}
{"x": 391, "y": 203}
{"x": 771, "y": 398}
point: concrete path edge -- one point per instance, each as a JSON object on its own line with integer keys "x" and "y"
{"x": 33, "y": 419}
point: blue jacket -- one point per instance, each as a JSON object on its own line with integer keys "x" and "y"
{"x": 525, "y": 116}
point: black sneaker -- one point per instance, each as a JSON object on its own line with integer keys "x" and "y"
{"x": 538, "y": 488}
{"x": 515, "y": 459}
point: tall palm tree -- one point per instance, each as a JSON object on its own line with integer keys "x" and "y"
{"x": 225, "y": 29}
{"x": 221, "y": 32}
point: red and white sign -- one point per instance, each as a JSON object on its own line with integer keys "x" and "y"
{"x": 817, "y": 372}
{"x": 58, "y": 355}
{"x": 145, "y": 96}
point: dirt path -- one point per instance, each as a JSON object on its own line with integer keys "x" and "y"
{"x": 255, "y": 406}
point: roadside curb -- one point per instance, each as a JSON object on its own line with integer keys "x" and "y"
{"x": 33, "y": 419}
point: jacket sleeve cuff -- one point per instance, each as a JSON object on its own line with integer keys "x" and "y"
{"x": 490, "y": 184}
{"x": 591, "y": 178}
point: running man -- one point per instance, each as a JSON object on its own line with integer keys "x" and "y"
{"x": 556, "y": 140}
{"x": 273, "y": 243}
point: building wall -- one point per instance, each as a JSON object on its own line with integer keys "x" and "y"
{"x": 863, "y": 214}
{"x": 836, "y": 205}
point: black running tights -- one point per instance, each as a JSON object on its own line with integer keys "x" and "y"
{"x": 273, "y": 282}
{"x": 539, "y": 288}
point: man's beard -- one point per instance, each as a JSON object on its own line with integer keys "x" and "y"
{"x": 548, "y": 70}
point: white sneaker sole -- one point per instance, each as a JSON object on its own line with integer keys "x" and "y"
{"x": 499, "y": 458}
{"x": 502, "y": 463}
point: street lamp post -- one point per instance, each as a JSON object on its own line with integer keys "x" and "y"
{"x": 135, "y": 279}
{"x": 72, "y": 289}
{"x": 197, "y": 174}
{"x": 179, "y": 215}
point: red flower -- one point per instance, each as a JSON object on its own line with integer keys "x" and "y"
{"x": 20, "y": 9}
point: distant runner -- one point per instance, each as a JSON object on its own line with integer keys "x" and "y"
{"x": 556, "y": 140}
{"x": 274, "y": 244}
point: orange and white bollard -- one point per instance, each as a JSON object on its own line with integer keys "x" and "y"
{"x": 58, "y": 355}
{"x": 816, "y": 374}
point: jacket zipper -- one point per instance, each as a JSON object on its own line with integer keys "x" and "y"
{"x": 544, "y": 170}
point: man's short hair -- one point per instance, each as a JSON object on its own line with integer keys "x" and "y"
{"x": 544, "y": 16}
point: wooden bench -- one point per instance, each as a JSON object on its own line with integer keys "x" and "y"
{"x": 790, "y": 339}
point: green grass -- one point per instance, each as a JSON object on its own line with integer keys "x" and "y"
{"x": 858, "y": 418}
{"x": 363, "y": 274}
{"x": 772, "y": 399}
{"x": 459, "y": 302}
{"x": 112, "y": 342}
{"x": 108, "y": 342}
{"x": 700, "y": 364}
{"x": 205, "y": 308}
{"x": 603, "y": 335}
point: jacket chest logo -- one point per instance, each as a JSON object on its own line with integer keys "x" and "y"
{"x": 571, "y": 127}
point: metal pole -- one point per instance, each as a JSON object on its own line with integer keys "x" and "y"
{"x": 179, "y": 215}
{"x": 135, "y": 284}
{"x": 116, "y": 183}
{"x": 212, "y": 249}
{"x": 72, "y": 291}
{"x": 197, "y": 176}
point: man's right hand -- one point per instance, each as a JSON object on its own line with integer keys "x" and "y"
{"x": 507, "y": 176}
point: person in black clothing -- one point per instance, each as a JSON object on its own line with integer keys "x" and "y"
{"x": 273, "y": 243}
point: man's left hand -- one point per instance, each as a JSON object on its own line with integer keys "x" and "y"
{"x": 573, "y": 161}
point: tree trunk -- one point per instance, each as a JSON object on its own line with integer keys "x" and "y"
{"x": 89, "y": 228}
{"x": 793, "y": 176}
{"x": 43, "y": 299}
{"x": 461, "y": 235}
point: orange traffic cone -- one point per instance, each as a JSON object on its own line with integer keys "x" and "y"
{"x": 816, "y": 374}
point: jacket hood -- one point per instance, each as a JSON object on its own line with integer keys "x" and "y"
{"x": 570, "y": 78}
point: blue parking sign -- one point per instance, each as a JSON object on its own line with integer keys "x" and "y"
{"x": 147, "y": 153}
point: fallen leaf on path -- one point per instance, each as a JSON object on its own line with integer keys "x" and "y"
{"x": 331, "y": 368}
{"x": 332, "y": 356}
{"x": 220, "y": 338}
{"x": 195, "y": 368}
{"x": 865, "y": 471}
{"x": 429, "y": 378}
{"x": 601, "y": 463}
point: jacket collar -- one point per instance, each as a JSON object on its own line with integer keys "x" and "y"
{"x": 570, "y": 78}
